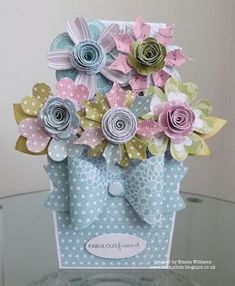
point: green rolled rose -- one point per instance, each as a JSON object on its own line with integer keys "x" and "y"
{"x": 147, "y": 56}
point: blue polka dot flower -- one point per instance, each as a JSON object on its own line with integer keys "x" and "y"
{"x": 83, "y": 54}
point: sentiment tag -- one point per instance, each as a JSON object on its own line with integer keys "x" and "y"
{"x": 115, "y": 245}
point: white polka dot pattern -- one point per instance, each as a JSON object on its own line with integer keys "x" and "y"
{"x": 37, "y": 137}
{"x": 117, "y": 216}
{"x": 141, "y": 105}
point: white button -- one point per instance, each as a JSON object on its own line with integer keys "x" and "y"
{"x": 116, "y": 189}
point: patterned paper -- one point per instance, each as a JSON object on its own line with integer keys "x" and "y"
{"x": 115, "y": 127}
{"x": 94, "y": 212}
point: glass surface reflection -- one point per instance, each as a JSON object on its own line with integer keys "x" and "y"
{"x": 114, "y": 278}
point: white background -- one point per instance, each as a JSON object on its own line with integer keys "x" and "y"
{"x": 203, "y": 28}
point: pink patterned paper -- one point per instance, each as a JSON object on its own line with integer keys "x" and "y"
{"x": 66, "y": 88}
{"x": 141, "y": 29}
{"x": 37, "y": 138}
{"x": 121, "y": 64}
{"x": 138, "y": 83}
{"x": 148, "y": 128}
{"x": 123, "y": 42}
{"x": 159, "y": 78}
{"x": 116, "y": 96}
{"x": 165, "y": 35}
{"x": 176, "y": 58}
{"x": 91, "y": 137}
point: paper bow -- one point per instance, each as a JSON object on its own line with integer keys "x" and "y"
{"x": 82, "y": 185}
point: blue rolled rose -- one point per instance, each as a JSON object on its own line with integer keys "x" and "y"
{"x": 88, "y": 56}
{"x": 59, "y": 118}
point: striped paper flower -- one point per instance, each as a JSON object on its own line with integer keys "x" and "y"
{"x": 83, "y": 54}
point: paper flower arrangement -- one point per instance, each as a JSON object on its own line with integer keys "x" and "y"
{"x": 116, "y": 129}
{"x": 147, "y": 55}
{"x": 119, "y": 124}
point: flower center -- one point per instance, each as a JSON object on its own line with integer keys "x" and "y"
{"x": 88, "y": 56}
{"x": 119, "y": 125}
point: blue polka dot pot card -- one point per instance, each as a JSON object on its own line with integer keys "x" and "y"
{"x": 114, "y": 217}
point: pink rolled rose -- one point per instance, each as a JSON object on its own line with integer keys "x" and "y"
{"x": 176, "y": 120}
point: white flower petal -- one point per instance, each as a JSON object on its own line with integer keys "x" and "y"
{"x": 154, "y": 102}
{"x": 187, "y": 141}
{"x": 172, "y": 96}
{"x": 179, "y": 147}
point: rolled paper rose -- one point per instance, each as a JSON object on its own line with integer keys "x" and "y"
{"x": 147, "y": 56}
{"x": 58, "y": 117}
{"x": 88, "y": 56}
{"x": 176, "y": 120}
{"x": 119, "y": 125}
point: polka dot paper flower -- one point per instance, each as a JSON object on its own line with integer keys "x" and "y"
{"x": 184, "y": 121}
{"x": 47, "y": 123}
{"x": 83, "y": 54}
{"x": 113, "y": 126}
{"x": 147, "y": 55}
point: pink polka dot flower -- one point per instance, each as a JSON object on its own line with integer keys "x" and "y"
{"x": 48, "y": 123}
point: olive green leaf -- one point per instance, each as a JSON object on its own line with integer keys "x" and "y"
{"x": 19, "y": 113}
{"x": 218, "y": 124}
{"x": 32, "y": 104}
{"x": 136, "y": 148}
{"x": 198, "y": 147}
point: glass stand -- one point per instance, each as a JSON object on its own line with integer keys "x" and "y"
{"x": 73, "y": 278}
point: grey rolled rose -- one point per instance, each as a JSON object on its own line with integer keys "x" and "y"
{"x": 58, "y": 117}
{"x": 119, "y": 125}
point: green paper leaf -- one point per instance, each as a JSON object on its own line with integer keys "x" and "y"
{"x": 136, "y": 148}
{"x": 172, "y": 85}
{"x": 218, "y": 124}
{"x": 157, "y": 146}
{"x": 19, "y": 113}
{"x": 98, "y": 150}
{"x": 95, "y": 110}
{"x": 204, "y": 105}
{"x": 198, "y": 147}
{"x": 190, "y": 89}
{"x": 156, "y": 92}
{"x": 31, "y": 105}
